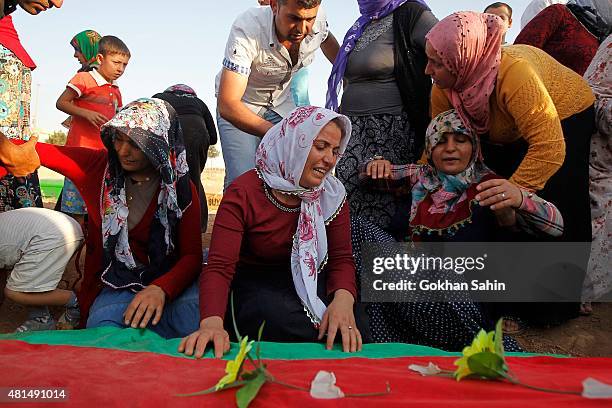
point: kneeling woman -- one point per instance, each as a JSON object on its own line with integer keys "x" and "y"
{"x": 280, "y": 230}
{"x": 454, "y": 196}
{"x": 143, "y": 241}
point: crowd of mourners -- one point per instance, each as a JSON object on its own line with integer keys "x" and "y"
{"x": 433, "y": 131}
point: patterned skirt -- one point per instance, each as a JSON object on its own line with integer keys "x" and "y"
{"x": 72, "y": 202}
{"x": 385, "y": 135}
{"x": 15, "y": 83}
{"x": 449, "y": 325}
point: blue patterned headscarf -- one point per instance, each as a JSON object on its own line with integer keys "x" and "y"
{"x": 370, "y": 10}
{"x": 153, "y": 125}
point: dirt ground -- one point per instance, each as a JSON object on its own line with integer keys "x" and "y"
{"x": 585, "y": 336}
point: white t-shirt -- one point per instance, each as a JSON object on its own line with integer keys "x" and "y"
{"x": 253, "y": 50}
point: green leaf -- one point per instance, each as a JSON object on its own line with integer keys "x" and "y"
{"x": 259, "y": 334}
{"x": 246, "y": 394}
{"x": 499, "y": 338}
{"x": 193, "y": 394}
{"x": 250, "y": 375}
{"x": 213, "y": 389}
{"x": 234, "y": 317}
{"x": 487, "y": 365}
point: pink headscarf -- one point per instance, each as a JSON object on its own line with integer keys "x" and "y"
{"x": 469, "y": 45}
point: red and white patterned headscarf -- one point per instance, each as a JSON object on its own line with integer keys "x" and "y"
{"x": 280, "y": 161}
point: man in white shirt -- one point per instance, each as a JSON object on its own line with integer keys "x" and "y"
{"x": 265, "y": 49}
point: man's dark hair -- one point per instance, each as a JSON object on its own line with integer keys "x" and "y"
{"x": 307, "y": 4}
{"x": 109, "y": 44}
{"x": 499, "y": 4}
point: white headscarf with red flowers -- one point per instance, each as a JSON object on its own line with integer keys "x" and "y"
{"x": 280, "y": 161}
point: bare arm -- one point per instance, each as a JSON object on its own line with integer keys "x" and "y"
{"x": 330, "y": 47}
{"x": 381, "y": 175}
{"x": 232, "y": 109}
{"x": 65, "y": 103}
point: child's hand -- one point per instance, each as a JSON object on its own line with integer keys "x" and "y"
{"x": 379, "y": 169}
{"x": 95, "y": 118}
{"x": 499, "y": 194}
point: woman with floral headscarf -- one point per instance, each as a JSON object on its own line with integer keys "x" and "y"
{"x": 381, "y": 65}
{"x": 449, "y": 193}
{"x": 570, "y": 33}
{"x": 85, "y": 46}
{"x": 144, "y": 247}
{"x": 281, "y": 241}
{"x": 449, "y": 204}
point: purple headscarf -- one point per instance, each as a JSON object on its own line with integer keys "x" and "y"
{"x": 370, "y": 10}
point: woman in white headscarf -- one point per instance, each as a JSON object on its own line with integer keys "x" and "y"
{"x": 282, "y": 242}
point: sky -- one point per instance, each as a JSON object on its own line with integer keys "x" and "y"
{"x": 170, "y": 42}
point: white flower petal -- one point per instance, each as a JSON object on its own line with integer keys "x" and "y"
{"x": 591, "y": 388}
{"x": 430, "y": 369}
{"x": 324, "y": 386}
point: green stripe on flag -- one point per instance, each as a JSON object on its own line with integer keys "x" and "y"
{"x": 140, "y": 340}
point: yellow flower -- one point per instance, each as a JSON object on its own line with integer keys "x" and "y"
{"x": 483, "y": 342}
{"x": 232, "y": 369}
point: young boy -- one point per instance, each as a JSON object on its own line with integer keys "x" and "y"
{"x": 92, "y": 98}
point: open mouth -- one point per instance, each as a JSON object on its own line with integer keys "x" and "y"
{"x": 321, "y": 172}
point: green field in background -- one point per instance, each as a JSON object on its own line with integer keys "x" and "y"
{"x": 51, "y": 188}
